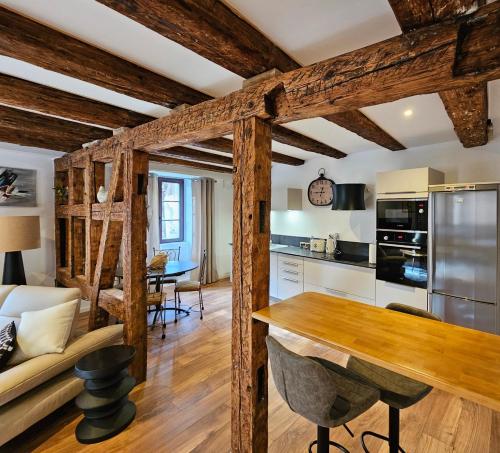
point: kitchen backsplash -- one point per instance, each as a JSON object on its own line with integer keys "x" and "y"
{"x": 347, "y": 247}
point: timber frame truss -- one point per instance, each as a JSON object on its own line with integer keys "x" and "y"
{"x": 449, "y": 55}
{"x": 91, "y": 235}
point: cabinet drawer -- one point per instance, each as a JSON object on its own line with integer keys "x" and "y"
{"x": 335, "y": 293}
{"x": 388, "y": 292}
{"x": 289, "y": 287}
{"x": 353, "y": 280}
{"x": 290, "y": 262}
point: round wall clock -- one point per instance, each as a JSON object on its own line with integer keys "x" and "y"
{"x": 320, "y": 191}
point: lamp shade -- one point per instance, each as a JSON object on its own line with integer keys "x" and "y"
{"x": 19, "y": 233}
{"x": 348, "y": 197}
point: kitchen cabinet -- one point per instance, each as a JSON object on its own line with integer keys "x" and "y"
{"x": 273, "y": 275}
{"x": 388, "y": 292}
{"x": 412, "y": 182}
{"x": 290, "y": 276}
{"x": 341, "y": 280}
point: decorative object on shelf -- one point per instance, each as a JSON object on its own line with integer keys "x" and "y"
{"x": 349, "y": 197}
{"x": 17, "y": 187}
{"x": 61, "y": 193}
{"x": 331, "y": 243}
{"x": 320, "y": 191}
{"x": 317, "y": 245}
{"x": 102, "y": 195}
{"x": 104, "y": 400}
{"x": 17, "y": 233}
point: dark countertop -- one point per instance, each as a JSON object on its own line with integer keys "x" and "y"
{"x": 352, "y": 260}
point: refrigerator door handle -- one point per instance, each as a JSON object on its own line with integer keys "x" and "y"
{"x": 441, "y": 293}
{"x": 430, "y": 244}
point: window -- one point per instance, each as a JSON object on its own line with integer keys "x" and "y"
{"x": 171, "y": 195}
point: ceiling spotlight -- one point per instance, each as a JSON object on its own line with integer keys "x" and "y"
{"x": 408, "y": 113}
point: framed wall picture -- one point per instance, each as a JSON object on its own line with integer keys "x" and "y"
{"x": 17, "y": 187}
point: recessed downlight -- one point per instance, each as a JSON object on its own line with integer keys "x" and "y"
{"x": 408, "y": 112}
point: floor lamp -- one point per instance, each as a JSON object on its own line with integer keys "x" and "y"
{"x": 17, "y": 233}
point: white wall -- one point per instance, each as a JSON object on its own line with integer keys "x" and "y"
{"x": 458, "y": 164}
{"x": 39, "y": 264}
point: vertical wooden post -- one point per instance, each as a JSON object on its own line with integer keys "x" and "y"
{"x": 135, "y": 180}
{"x": 251, "y": 233}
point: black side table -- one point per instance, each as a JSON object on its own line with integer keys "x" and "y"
{"x": 104, "y": 400}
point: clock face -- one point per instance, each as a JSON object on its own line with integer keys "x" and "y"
{"x": 320, "y": 191}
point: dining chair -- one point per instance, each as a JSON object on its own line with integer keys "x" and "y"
{"x": 173, "y": 255}
{"x": 185, "y": 286}
{"x": 154, "y": 298}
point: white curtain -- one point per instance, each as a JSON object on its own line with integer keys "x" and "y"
{"x": 203, "y": 227}
{"x": 153, "y": 236}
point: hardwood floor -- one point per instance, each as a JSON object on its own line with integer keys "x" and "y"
{"x": 184, "y": 406}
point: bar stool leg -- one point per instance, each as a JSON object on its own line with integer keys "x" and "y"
{"x": 393, "y": 430}
{"x": 323, "y": 442}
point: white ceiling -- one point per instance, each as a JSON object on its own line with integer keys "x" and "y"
{"x": 308, "y": 30}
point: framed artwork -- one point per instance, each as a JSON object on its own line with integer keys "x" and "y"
{"x": 17, "y": 187}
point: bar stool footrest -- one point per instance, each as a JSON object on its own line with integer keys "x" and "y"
{"x": 378, "y": 436}
{"x": 331, "y": 442}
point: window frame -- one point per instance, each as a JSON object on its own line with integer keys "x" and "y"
{"x": 180, "y": 182}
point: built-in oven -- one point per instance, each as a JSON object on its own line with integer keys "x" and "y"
{"x": 402, "y": 257}
{"x": 402, "y": 214}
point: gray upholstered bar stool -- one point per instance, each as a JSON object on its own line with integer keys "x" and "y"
{"x": 398, "y": 392}
{"x": 321, "y": 391}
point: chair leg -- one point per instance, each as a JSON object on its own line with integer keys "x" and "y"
{"x": 201, "y": 297}
{"x": 200, "y": 303}
{"x": 163, "y": 323}
{"x": 175, "y": 306}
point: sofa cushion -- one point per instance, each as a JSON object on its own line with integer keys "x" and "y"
{"x": 7, "y": 343}
{"x": 44, "y": 331}
{"x": 32, "y": 298}
{"x": 4, "y": 320}
{"x": 4, "y": 292}
{"x": 19, "y": 379}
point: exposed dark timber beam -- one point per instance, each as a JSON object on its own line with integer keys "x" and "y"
{"x": 182, "y": 152}
{"x": 42, "y": 46}
{"x": 468, "y": 111}
{"x": 225, "y": 145}
{"x": 187, "y": 163}
{"x": 430, "y": 60}
{"x": 211, "y": 29}
{"x": 31, "y": 129}
{"x": 28, "y": 95}
{"x": 27, "y": 40}
{"x": 466, "y": 107}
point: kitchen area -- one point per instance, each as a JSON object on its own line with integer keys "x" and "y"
{"x": 436, "y": 247}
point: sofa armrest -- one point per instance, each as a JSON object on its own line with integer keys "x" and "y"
{"x": 27, "y": 375}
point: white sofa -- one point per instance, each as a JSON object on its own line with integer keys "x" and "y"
{"x": 35, "y": 388}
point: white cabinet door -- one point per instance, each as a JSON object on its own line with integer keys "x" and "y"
{"x": 393, "y": 293}
{"x": 273, "y": 275}
{"x": 354, "y": 280}
{"x": 332, "y": 292}
{"x": 289, "y": 286}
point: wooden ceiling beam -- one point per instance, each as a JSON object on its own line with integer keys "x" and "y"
{"x": 225, "y": 145}
{"x": 184, "y": 153}
{"x": 27, "y": 40}
{"x": 31, "y": 129}
{"x": 51, "y": 101}
{"x": 187, "y": 163}
{"x": 432, "y": 59}
{"x": 30, "y": 41}
{"x": 28, "y": 95}
{"x": 467, "y": 108}
{"x": 211, "y": 29}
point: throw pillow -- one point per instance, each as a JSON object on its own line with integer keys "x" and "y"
{"x": 7, "y": 343}
{"x": 44, "y": 331}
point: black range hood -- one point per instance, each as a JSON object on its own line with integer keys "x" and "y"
{"x": 348, "y": 197}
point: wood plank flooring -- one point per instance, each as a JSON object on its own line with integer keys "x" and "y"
{"x": 184, "y": 406}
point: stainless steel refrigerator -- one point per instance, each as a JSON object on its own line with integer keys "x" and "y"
{"x": 464, "y": 255}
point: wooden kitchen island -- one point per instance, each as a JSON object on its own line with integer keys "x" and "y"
{"x": 455, "y": 359}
